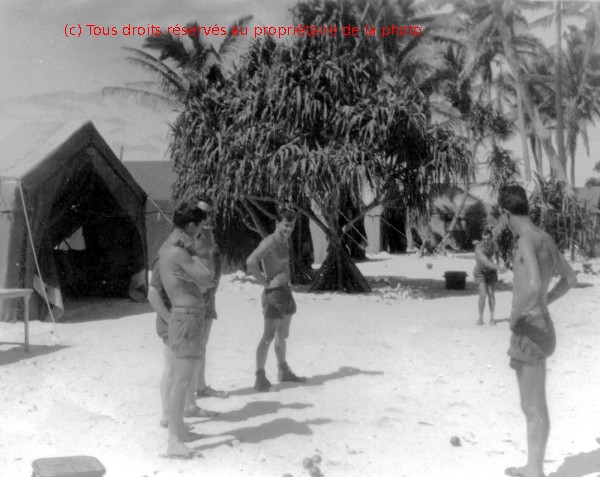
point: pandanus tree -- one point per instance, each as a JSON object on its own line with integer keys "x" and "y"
{"x": 310, "y": 123}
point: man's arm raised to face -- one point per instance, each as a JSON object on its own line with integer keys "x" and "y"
{"x": 568, "y": 279}
{"x": 253, "y": 261}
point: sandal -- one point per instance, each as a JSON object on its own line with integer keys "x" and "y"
{"x": 210, "y": 392}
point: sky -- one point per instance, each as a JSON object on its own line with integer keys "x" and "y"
{"x": 38, "y": 58}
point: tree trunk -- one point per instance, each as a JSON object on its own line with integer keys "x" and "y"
{"x": 408, "y": 223}
{"x": 442, "y": 245}
{"x": 560, "y": 127}
{"x": 301, "y": 252}
{"x": 523, "y": 133}
{"x": 541, "y": 131}
{"x": 540, "y": 166}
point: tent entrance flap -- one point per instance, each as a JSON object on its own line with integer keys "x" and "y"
{"x": 110, "y": 256}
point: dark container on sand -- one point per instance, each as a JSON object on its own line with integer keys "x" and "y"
{"x": 455, "y": 280}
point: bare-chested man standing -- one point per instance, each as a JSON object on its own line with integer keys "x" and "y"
{"x": 536, "y": 258}
{"x": 278, "y": 303}
{"x": 185, "y": 278}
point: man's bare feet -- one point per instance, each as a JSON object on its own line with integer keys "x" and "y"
{"x": 179, "y": 449}
{"x": 479, "y": 322}
{"x": 518, "y": 472}
{"x": 210, "y": 392}
{"x": 492, "y": 322}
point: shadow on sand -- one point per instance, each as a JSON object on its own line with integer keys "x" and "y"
{"x": 585, "y": 463}
{"x": 317, "y": 380}
{"x": 255, "y": 409}
{"x": 93, "y": 309}
{"x": 18, "y": 353}
{"x": 263, "y": 432}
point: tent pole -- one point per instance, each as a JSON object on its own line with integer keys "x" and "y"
{"x": 37, "y": 265}
{"x": 160, "y": 210}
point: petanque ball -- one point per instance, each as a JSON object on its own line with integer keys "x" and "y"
{"x": 455, "y": 441}
{"x": 316, "y": 458}
{"x": 307, "y": 463}
{"x": 429, "y": 266}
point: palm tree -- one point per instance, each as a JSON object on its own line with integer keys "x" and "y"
{"x": 582, "y": 87}
{"x": 504, "y": 21}
{"x": 179, "y": 65}
{"x": 465, "y": 84}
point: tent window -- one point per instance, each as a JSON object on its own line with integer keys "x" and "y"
{"x": 75, "y": 242}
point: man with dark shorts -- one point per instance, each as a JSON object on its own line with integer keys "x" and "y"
{"x": 536, "y": 259}
{"x": 277, "y": 300}
{"x": 486, "y": 273}
{"x": 185, "y": 277}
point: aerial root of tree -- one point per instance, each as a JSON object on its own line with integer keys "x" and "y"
{"x": 339, "y": 273}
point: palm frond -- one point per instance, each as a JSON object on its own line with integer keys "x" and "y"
{"x": 147, "y": 99}
{"x": 231, "y": 42}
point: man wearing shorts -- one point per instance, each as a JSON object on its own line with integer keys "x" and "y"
{"x": 185, "y": 277}
{"x": 536, "y": 258}
{"x": 277, "y": 300}
{"x": 158, "y": 299}
{"x": 486, "y": 273}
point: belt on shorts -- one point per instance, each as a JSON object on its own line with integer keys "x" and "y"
{"x": 188, "y": 309}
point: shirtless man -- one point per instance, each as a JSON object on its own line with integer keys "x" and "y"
{"x": 278, "y": 303}
{"x": 185, "y": 277}
{"x": 158, "y": 299}
{"x": 486, "y": 273}
{"x": 536, "y": 258}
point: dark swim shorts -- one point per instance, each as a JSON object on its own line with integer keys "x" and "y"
{"x": 278, "y": 302}
{"x": 533, "y": 339}
{"x": 487, "y": 276}
{"x": 186, "y": 331}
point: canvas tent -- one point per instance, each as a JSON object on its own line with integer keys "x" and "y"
{"x": 84, "y": 215}
{"x": 156, "y": 178}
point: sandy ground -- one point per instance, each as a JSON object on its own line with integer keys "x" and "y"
{"x": 393, "y": 376}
